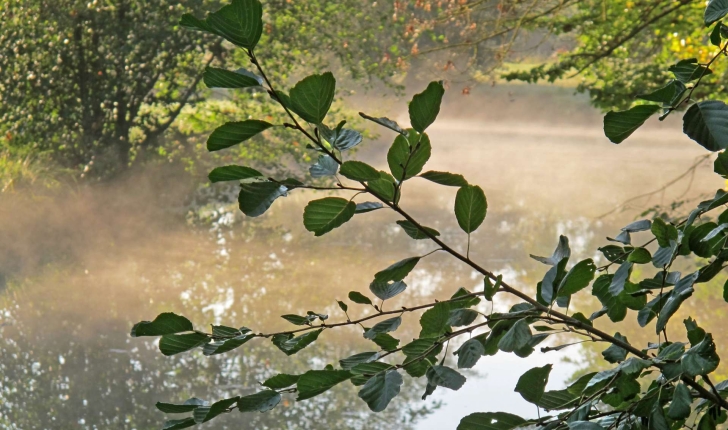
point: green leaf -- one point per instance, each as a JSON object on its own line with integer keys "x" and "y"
{"x": 462, "y": 317}
{"x": 221, "y": 78}
{"x": 716, "y": 10}
{"x": 359, "y": 298}
{"x": 490, "y": 288}
{"x": 325, "y": 166}
{"x": 315, "y": 382}
{"x": 616, "y": 310}
{"x": 311, "y": 97}
{"x": 419, "y": 346}
{"x": 384, "y": 122}
{"x": 620, "y": 125}
{"x": 716, "y": 38}
{"x": 291, "y": 345}
{"x": 356, "y": 359}
{"x": 445, "y": 178}
{"x": 720, "y": 165}
{"x": 689, "y": 70}
{"x": 470, "y": 207}
{"x": 584, "y": 425}
{"x": 425, "y": 106}
{"x": 551, "y": 281}
{"x": 385, "y": 326}
{"x": 240, "y": 23}
{"x": 172, "y": 344}
{"x": 256, "y": 197}
{"x": 578, "y": 278}
{"x": 532, "y": 384}
{"x": 491, "y": 421}
{"x": 517, "y": 337}
{"x": 363, "y": 372}
{"x": 434, "y": 320}
{"x": 386, "y": 341}
{"x": 358, "y": 171}
{"x": 397, "y": 271}
{"x": 383, "y": 187}
{"x": 615, "y": 353}
{"x": 663, "y": 232}
{"x": 562, "y": 251}
{"x": 296, "y": 319}
{"x": 707, "y": 123}
{"x": 381, "y": 389}
{"x": 323, "y": 215}
{"x": 341, "y": 138}
{"x": 165, "y": 323}
{"x": 640, "y": 256}
{"x": 223, "y": 346}
{"x": 365, "y": 207}
{"x": 233, "y": 173}
{"x": 262, "y": 401}
{"x": 443, "y": 376}
{"x": 620, "y": 278}
{"x": 280, "y": 381}
{"x": 232, "y": 133}
{"x": 179, "y": 424}
{"x": 701, "y": 359}
{"x": 221, "y": 330}
{"x": 666, "y": 95}
{"x": 204, "y": 414}
{"x": 680, "y": 407}
{"x": 683, "y": 289}
{"x": 469, "y": 353}
{"x": 188, "y": 406}
{"x": 408, "y": 155}
{"x": 707, "y": 422}
{"x": 387, "y": 290}
{"x": 414, "y": 232}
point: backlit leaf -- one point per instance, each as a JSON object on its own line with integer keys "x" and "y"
{"x": 232, "y": 133}
{"x": 323, "y": 215}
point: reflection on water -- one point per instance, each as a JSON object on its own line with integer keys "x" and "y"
{"x": 80, "y": 267}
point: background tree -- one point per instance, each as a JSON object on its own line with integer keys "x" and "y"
{"x": 100, "y": 83}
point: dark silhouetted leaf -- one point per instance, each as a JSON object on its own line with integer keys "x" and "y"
{"x": 311, "y": 97}
{"x": 281, "y": 381}
{"x": 221, "y": 78}
{"x": 385, "y": 326}
{"x": 470, "y": 207}
{"x": 172, "y": 344}
{"x": 414, "y": 232}
{"x": 408, "y": 155}
{"x": 232, "y": 133}
{"x": 532, "y": 384}
{"x": 165, "y": 323}
{"x": 620, "y": 125}
{"x": 706, "y": 122}
{"x": 425, "y": 106}
{"x": 397, "y": 271}
{"x": 315, "y": 382}
{"x": 256, "y": 197}
{"x": 233, "y": 173}
{"x": 445, "y": 178}
{"x": 381, "y": 389}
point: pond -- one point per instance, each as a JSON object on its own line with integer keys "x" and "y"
{"x": 78, "y": 268}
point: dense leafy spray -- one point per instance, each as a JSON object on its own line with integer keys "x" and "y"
{"x": 657, "y": 386}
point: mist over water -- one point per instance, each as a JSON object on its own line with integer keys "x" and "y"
{"x": 79, "y": 266}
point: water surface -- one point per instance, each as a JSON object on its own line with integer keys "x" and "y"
{"x": 80, "y": 267}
